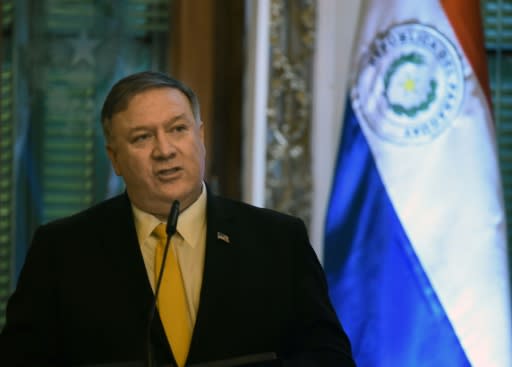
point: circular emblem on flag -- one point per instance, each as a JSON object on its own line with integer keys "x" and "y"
{"x": 410, "y": 84}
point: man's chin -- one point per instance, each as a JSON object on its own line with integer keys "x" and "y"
{"x": 157, "y": 206}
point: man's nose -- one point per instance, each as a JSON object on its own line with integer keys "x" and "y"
{"x": 164, "y": 146}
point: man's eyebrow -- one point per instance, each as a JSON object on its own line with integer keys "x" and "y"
{"x": 181, "y": 116}
{"x": 138, "y": 128}
{"x": 172, "y": 120}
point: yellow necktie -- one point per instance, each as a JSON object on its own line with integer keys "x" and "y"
{"x": 172, "y": 301}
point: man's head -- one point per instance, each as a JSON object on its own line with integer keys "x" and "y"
{"x": 155, "y": 140}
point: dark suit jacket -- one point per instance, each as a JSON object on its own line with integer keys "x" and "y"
{"x": 83, "y": 295}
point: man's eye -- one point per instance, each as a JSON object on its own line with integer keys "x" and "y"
{"x": 139, "y": 138}
{"x": 179, "y": 128}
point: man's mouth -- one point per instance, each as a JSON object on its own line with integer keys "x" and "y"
{"x": 168, "y": 172}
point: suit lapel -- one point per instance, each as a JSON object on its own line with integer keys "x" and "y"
{"x": 220, "y": 271}
{"x": 121, "y": 246}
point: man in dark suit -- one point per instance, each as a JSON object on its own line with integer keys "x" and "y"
{"x": 245, "y": 279}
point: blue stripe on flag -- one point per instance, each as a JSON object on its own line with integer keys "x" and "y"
{"x": 378, "y": 287}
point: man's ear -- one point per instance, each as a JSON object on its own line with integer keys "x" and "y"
{"x": 112, "y": 155}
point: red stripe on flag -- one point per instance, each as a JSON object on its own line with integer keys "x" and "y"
{"x": 466, "y": 20}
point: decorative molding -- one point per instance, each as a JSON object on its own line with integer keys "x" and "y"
{"x": 288, "y": 170}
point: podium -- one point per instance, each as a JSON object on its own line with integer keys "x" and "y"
{"x": 251, "y": 360}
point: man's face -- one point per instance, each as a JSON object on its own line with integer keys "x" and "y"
{"x": 158, "y": 148}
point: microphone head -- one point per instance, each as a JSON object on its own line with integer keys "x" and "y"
{"x": 172, "y": 220}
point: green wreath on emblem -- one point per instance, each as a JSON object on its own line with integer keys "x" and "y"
{"x": 416, "y": 59}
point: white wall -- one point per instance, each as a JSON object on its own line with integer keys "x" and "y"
{"x": 336, "y": 28}
{"x": 255, "y": 102}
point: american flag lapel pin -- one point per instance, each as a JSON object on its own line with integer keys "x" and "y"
{"x": 223, "y": 237}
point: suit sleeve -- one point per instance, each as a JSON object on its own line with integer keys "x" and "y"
{"x": 29, "y": 335}
{"x": 320, "y": 337}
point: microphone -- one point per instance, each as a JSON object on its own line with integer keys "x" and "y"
{"x": 172, "y": 220}
{"x": 170, "y": 229}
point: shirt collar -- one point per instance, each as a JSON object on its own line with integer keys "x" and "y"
{"x": 189, "y": 222}
{"x": 192, "y": 219}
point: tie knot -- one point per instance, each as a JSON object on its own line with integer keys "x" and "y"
{"x": 160, "y": 232}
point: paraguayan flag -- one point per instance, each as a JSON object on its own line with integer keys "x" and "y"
{"x": 415, "y": 244}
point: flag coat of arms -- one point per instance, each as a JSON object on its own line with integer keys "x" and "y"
{"x": 415, "y": 239}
